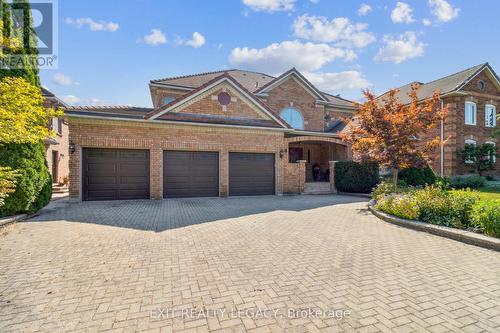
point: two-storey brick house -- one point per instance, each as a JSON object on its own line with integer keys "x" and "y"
{"x": 212, "y": 134}
{"x": 472, "y": 97}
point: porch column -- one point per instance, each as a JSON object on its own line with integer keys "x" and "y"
{"x": 331, "y": 165}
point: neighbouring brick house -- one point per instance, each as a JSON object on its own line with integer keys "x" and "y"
{"x": 222, "y": 133}
{"x": 472, "y": 97}
{"x": 57, "y": 153}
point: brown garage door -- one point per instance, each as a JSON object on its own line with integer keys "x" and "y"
{"x": 190, "y": 174}
{"x": 115, "y": 174}
{"x": 251, "y": 174}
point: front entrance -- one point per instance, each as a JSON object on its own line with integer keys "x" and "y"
{"x": 55, "y": 166}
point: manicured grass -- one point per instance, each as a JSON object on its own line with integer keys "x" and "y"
{"x": 490, "y": 191}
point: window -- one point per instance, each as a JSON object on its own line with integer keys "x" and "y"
{"x": 481, "y": 85}
{"x": 470, "y": 113}
{"x": 492, "y": 156}
{"x": 490, "y": 115}
{"x": 470, "y": 158}
{"x": 293, "y": 118}
{"x": 167, "y": 100}
{"x": 59, "y": 125}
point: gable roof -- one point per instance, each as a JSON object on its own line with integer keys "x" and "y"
{"x": 250, "y": 80}
{"x": 293, "y": 71}
{"x": 445, "y": 85}
{"x": 225, "y": 77}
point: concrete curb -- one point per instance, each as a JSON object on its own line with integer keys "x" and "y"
{"x": 12, "y": 219}
{"x": 463, "y": 236}
{"x": 362, "y": 195}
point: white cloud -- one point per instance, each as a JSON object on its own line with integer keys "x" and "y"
{"x": 364, "y": 9}
{"x": 314, "y": 1}
{"x": 63, "y": 80}
{"x": 403, "y": 13}
{"x": 270, "y": 5}
{"x": 197, "y": 41}
{"x": 397, "y": 50}
{"x": 426, "y": 22}
{"x": 338, "y": 81}
{"x": 278, "y": 57}
{"x": 92, "y": 24}
{"x": 443, "y": 10}
{"x": 73, "y": 100}
{"x": 339, "y": 30}
{"x": 156, "y": 37}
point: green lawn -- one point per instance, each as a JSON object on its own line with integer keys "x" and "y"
{"x": 490, "y": 192}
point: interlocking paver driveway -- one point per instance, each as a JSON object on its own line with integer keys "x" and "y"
{"x": 122, "y": 266}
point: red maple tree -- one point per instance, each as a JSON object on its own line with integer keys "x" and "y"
{"x": 394, "y": 134}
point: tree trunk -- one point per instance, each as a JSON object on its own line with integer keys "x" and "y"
{"x": 395, "y": 173}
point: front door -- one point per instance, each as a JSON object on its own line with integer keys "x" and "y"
{"x": 55, "y": 166}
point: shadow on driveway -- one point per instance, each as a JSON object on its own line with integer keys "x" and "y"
{"x": 160, "y": 215}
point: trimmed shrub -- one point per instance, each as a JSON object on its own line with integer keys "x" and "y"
{"x": 402, "y": 205}
{"x": 471, "y": 181}
{"x": 356, "y": 177}
{"x": 386, "y": 188}
{"x": 418, "y": 176}
{"x": 29, "y": 161}
{"x": 486, "y": 215}
{"x": 45, "y": 195}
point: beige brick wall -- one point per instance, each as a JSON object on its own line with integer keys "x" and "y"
{"x": 291, "y": 94}
{"x": 159, "y": 137}
{"x": 294, "y": 178}
{"x": 208, "y": 104}
{"x": 158, "y": 94}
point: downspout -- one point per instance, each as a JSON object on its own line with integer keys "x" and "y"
{"x": 442, "y": 143}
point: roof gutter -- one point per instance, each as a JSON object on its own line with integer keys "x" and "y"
{"x": 153, "y": 121}
{"x": 171, "y": 86}
{"x": 308, "y": 133}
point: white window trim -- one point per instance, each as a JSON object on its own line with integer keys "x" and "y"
{"x": 494, "y": 144}
{"x": 474, "y": 114}
{"x": 486, "y": 123}
{"x": 470, "y": 142}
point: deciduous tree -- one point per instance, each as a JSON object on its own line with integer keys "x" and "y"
{"x": 394, "y": 134}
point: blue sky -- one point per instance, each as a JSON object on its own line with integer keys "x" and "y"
{"x": 109, "y": 50}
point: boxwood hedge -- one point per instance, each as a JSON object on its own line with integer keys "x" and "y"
{"x": 355, "y": 177}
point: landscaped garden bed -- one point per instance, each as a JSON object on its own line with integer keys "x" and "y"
{"x": 443, "y": 205}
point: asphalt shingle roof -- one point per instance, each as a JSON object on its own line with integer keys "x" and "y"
{"x": 444, "y": 85}
{"x": 250, "y": 80}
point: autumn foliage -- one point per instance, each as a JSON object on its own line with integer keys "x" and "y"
{"x": 394, "y": 134}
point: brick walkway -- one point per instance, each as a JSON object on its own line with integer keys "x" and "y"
{"x": 122, "y": 266}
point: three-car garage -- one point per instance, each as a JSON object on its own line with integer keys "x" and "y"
{"x": 119, "y": 174}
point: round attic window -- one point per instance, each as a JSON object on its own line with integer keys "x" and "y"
{"x": 224, "y": 98}
{"x": 481, "y": 85}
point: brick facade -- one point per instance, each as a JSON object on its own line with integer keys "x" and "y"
{"x": 456, "y": 131}
{"x": 290, "y": 93}
{"x": 208, "y": 104}
{"x": 159, "y": 137}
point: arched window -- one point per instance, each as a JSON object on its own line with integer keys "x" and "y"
{"x": 293, "y": 117}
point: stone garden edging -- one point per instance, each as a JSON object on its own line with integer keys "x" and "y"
{"x": 463, "y": 236}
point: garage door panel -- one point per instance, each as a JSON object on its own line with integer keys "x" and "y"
{"x": 190, "y": 174}
{"x": 251, "y": 174}
{"x": 115, "y": 174}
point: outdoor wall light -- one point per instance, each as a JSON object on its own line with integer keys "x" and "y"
{"x": 72, "y": 147}
{"x": 282, "y": 152}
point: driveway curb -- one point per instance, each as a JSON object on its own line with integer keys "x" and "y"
{"x": 12, "y": 219}
{"x": 451, "y": 233}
